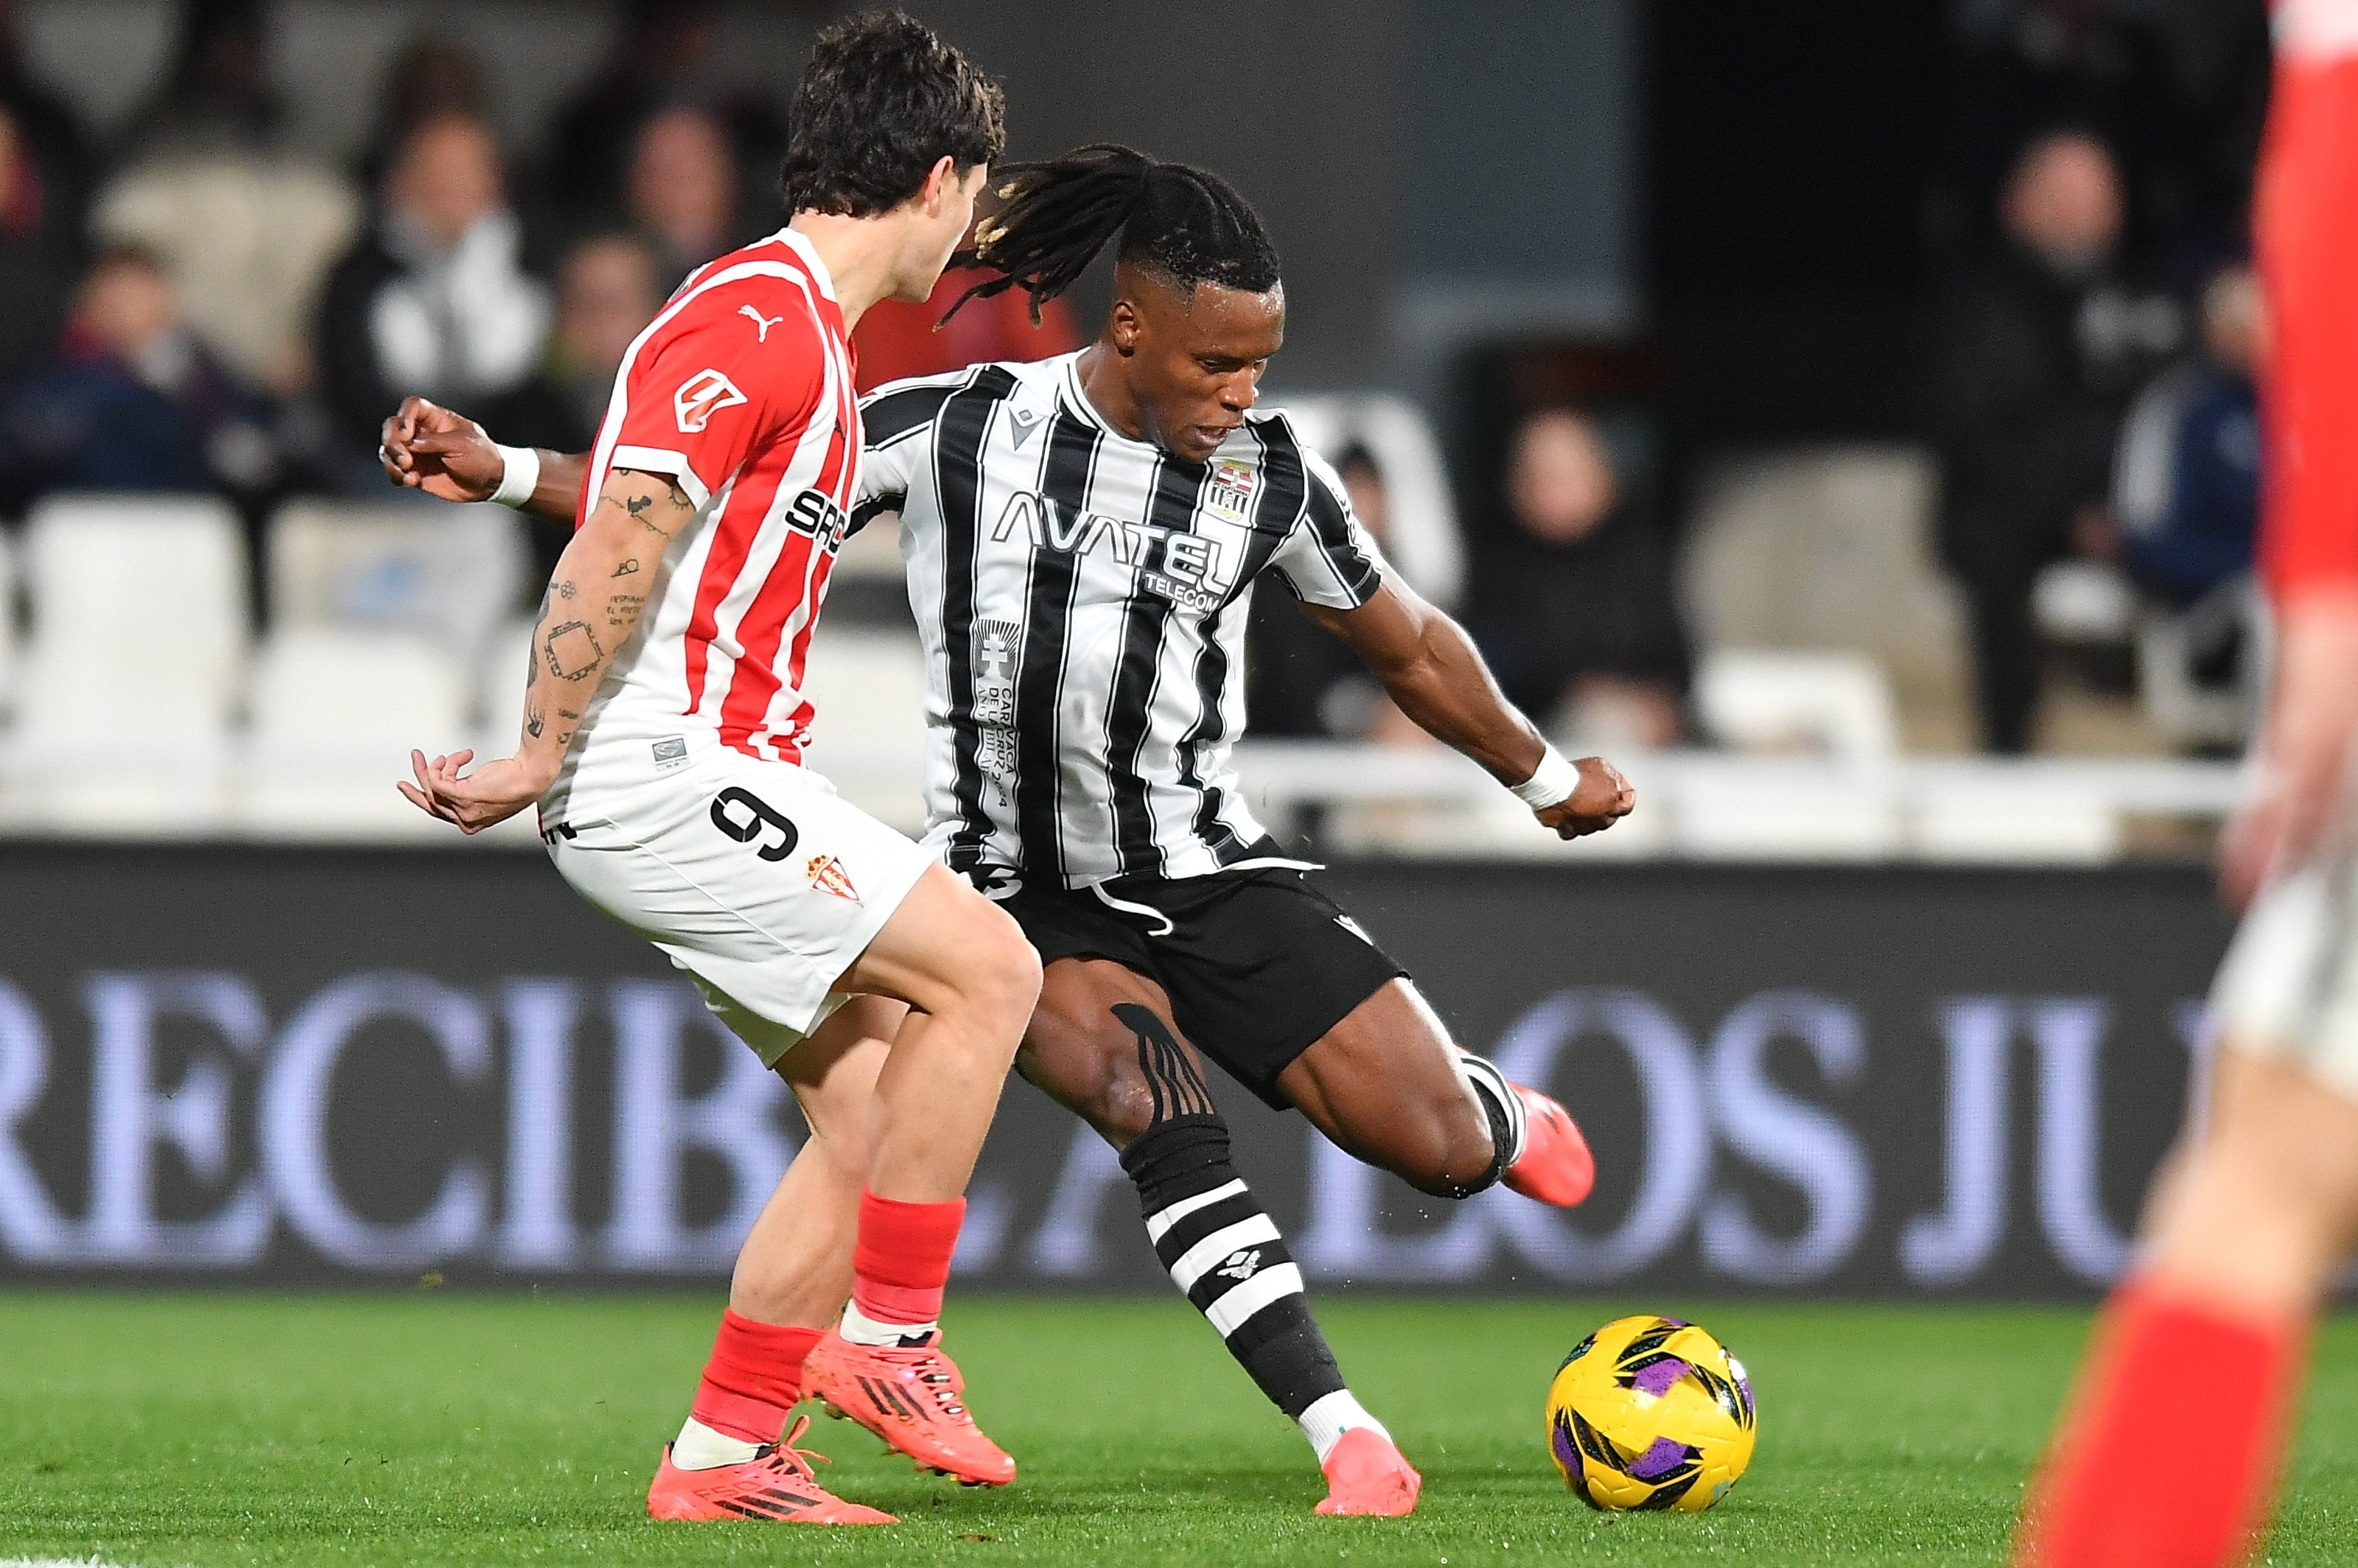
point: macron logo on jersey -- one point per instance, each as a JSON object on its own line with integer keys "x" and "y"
{"x": 705, "y": 394}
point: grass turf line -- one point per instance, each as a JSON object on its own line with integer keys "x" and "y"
{"x": 205, "y": 1430}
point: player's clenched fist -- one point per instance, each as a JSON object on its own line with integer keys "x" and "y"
{"x": 1602, "y": 798}
{"x": 427, "y": 446}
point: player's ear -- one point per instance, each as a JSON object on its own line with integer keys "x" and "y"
{"x": 941, "y": 182}
{"x": 1124, "y": 329}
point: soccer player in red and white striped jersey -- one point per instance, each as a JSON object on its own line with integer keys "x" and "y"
{"x": 2169, "y": 1452}
{"x": 662, "y": 744}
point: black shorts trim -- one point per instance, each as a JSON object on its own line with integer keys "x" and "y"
{"x": 1258, "y": 965}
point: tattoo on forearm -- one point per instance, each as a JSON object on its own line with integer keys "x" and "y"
{"x": 622, "y": 609}
{"x": 628, "y": 568}
{"x": 572, "y": 650}
{"x": 565, "y": 589}
{"x": 532, "y": 722}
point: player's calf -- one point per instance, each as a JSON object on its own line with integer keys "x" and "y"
{"x": 1388, "y": 1085}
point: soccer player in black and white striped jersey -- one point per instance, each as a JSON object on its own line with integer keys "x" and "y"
{"x": 1082, "y": 535}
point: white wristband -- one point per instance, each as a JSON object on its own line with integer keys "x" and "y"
{"x": 1550, "y": 784}
{"x": 519, "y": 475}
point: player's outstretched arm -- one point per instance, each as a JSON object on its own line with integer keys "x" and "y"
{"x": 1433, "y": 671}
{"x": 593, "y": 604}
{"x": 442, "y": 453}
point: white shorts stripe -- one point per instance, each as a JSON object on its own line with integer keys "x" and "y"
{"x": 1220, "y": 1244}
{"x": 1157, "y": 1224}
{"x": 1269, "y": 1285}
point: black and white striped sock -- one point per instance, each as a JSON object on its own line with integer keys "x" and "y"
{"x": 1501, "y": 1105}
{"x": 1226, "y": 1253}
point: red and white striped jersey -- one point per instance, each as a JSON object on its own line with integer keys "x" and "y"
{"x": 741, "y": 390}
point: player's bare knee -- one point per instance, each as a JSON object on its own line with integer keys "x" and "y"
{"x": 1121, "y": 1103}
{"x": 998, "y": 972}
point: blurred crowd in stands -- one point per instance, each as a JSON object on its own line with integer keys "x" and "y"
{"x": 197, "y": 306}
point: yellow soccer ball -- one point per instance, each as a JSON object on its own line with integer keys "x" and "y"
{"x": 1650, "y": 1412}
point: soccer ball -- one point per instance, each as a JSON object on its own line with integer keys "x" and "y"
{"x": 1650, "y": 1412}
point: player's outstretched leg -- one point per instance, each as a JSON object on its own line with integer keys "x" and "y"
{"x": 970, "y": 979}
{"x": 1102, "y": 1045}
{"x": 1388, "y": 1085}
{"x": 2167, "y": 1453}
{"x": 730, "y": 1460}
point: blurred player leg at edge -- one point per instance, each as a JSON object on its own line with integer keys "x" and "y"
{"x": 662, "y": 746}
{"x": 2170, "y": 1450}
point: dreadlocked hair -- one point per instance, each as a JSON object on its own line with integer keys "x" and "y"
{"x": 1186, "y": 223}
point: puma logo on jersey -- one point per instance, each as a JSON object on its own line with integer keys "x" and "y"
{"x": 1239, "y": 1265}
{"x": 761, "y": 323}
{"x": 702, "y": 396}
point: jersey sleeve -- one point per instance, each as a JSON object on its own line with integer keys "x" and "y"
{"x": 1328, "y": 558}
{"x": 896, "y": 424}
{"x": 2306, "y": 233}
{"x": 713, "y": 386}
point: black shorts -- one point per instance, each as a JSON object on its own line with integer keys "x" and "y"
{"x": 1258, "y": 964}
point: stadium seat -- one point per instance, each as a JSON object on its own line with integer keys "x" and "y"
{"x": 869, "y": 737}
{"x": 451, "y": 573}
{"x": 335, "y": 713}
{"x": 2085, "y": 602}
{"x": 139, "y": 636}
{"x": 1831, "y": 547}
{"x": 2230, "y": 627}
{"x": 1837, "y": 705}
{"x": 1423, "y": 542}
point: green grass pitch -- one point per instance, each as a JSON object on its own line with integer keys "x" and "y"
{"x": 434, "y": 1427}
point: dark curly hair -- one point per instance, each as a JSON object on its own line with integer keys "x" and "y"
{"x": 881, "y": 102}
{"x": 1186, "y": 223}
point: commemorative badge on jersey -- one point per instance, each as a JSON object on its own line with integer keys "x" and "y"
{"x": 826, "y": 875}
{"x": 995, "y": 755}
{"x": 996, "y": 644}
{"x": 700, "y": 396}
{"x": 1231, "y": 490}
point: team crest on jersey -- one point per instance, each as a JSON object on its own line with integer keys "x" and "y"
{"x": 1232, "y": 490}
{"x": 702, "y": 396}
{"x": 826, "y": 875}
{"x": 996, "y": 645}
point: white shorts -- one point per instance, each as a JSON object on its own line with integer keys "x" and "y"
{"x": 755, "y": 876}
{"x": 2289, "y": 986}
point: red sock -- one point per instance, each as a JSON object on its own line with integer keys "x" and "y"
{"x": 903, "y": 1258}
{"x": 2168, "y": 1454}
{"x": 753, "y": 1378}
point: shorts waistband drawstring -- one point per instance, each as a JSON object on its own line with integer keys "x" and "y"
{"x": 1167, "y": 926}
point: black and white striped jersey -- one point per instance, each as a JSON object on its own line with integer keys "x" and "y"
{"x": 1082, "y": 598}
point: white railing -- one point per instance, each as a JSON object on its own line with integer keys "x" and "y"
{"x": 1715, "y": 806}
